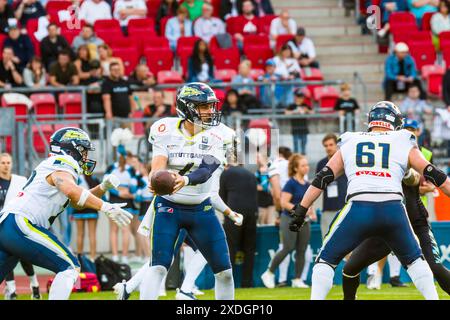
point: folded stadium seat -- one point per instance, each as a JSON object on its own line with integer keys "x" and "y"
{"x": 54, "y": 6}
{"x": 186, "y": 43}
{"x": 121, "y": 42}
{"x": 281, "y": 40}
{"x": 159, "y": 59}
{"x": 138, "y": 127}
{"x": 426, "y": 19}
{"x": 262, "y": 123}
{"x": 326, "y": 96}
{"x": 433, "y": 75}
{"x": 259, "y": 57}
{"x": 38, "y": 142}
{"x": 401, "y": 17}
{"x": 227, "y": 58}
{"x": 156, "y": 42}
{"x": 44, "y": 104}
{"x": 265, "y": 22}
{"x": 226, "y": 75}
{"x": 139, "y": 25}
{"x": 423, "y": 54}
{"x": 402, "y": 32}
{"x": 419, "y": 37}
{"x": 70, "y": 103}
{"x": 183, "y": 55}
{"x": 109, "y": 36}
{"x": 231, "y": 25}
{"x": 312, "y": 74}
{"x": 162, "y": 25}
{"x": 214, "y": 45}
{"x": 444, "y": 40}
{"x": 104, "y": 26}
{"x": 21, "y": 109}
{"x": 152, "y": 8}
{"x": 256, "y": 40}
{"x": 169, "y": 77}
{"x": 129, "y": 56}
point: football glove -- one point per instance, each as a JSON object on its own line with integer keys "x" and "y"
{"x": 298, "y": 214}
{"x": 109, "y": 182}
{"x": 237, "y": 218}
{"x": 115, "y": 212}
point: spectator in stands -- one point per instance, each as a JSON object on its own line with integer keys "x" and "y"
{"x": 125, "y": 10}
{"x": 287, "y": 68}
{"x": 232, "y": 104}
{"x": 106, "y": 58}
{"x": 238, "y": 190}
{"x": 263, "y": 7}
{"x": 51, "y": 45}
{"x": 142, "y": 76}
{"x": 63, "y": 72}
{"x": 94, "y": 96}
{"x": 93, "y": 10}
{"x": 34, "y": 75}
{"x": 265, "y": 92}
{"x": 116, "y": 94}
{"x": 419, "y": 7}
{"x": 230, "y": 8}
{"x": 6, "y": 13}
{"x": 389, "y": 6}
{"x": 158, "y": 108}
{"x": 413, "y": 107}
{"x": 179, "y": 26}
{"x": 303, "y": 49}
{"x": 334, "y": 194}
{"x": 82, "y": 62}
{"x": 200, "y": 65}
{"x": 299, "y": 126}
{"x": 440, "y": 21}
{"x": 247, "y": 93}
{"x": 292, "y": 194}
{"x": 400, "y": 71}
{"x": 194, "y": 8}
{"x": 282, "y": 25}
{"x": 87, "y": 37}
{"x": 208, "y": 26}
{"x": 9, "y": 74}
{"x": 266, "y": 209}
{"x": 29, "y": 9}
{"x": 167, "y": 8}
{"x": 347, "y": 105}
{"x": 248, "y": 21}
{"x": 22, "y": 46}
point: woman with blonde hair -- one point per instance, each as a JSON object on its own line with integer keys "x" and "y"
{"x": 292, "y": 192}
{"x": 106, "y": 58}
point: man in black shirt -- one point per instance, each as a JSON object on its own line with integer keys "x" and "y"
{"x": 299, "y": 126}
{"x": 334, "y": 194}
{"x": 29, "y": 9}
{"x": 9, "y": 74}
{"x": 52, "y": 44}
{"x": 116, "y": 94}
{"x": 238, "y": 189}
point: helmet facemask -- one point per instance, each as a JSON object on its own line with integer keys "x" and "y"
{"x": 80, "y": 154}
{"x": 205, "y": 120}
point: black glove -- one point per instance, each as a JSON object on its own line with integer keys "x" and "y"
{"x": 298, "y": 214}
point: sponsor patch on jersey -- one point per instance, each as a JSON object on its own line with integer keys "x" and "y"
{"x": 165, "y": 210}
{"x": 162, "y": 127}
{"x": 204, "y": 147}
{"x": 373, "y": 173}
{"x": 204, "y": 140}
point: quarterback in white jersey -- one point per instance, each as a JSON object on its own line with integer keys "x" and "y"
{"x": 375, "y": 163}
{"x": 25, "y": 220}
{"x": 196, "y": 144}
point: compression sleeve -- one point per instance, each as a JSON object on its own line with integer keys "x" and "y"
{"x": 218, "y": 203}
{"x": 205, "y": 170}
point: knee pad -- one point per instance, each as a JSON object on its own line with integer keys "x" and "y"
{"x": 224, "y": 276}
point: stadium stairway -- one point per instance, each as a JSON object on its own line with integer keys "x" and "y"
{"x": 341, "y": 48}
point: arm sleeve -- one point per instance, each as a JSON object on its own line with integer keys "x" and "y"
{"x": 205, "y": 170}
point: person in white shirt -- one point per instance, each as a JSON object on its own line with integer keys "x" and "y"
{"x": 284, "y": 24}
{"x": 303, "y": 49}
{"x": 93, "y": 10}
{"x": 208, "y": 26}
{"x": 125, "y": 10}
{"x": 287, "y": 68}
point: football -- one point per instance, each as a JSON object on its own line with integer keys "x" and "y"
{"x": 163, "y": 182}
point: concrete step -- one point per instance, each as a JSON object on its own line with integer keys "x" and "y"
{"x": 342, "y": 58}
{"x": 350, "y": 67}
{"x": 313, "y": 21}
{"x": 344, "y": 40}
{"x": 370, "y": 77}
{"x": 306, "y": 3}
{"x": 333, "y": 30}
{"x": 309, "y": 12}
{"x": 349, "y": 49}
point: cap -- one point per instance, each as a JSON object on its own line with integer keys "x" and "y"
{"x": 401, "y": 47}
{"x": 411, "y": 123}
{"x": 270, "y": 62}
{"x": 301, "y": 31}
{"x": 299, "y": 92}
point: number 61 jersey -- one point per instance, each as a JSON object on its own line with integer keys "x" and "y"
{"x": 376, "y": 162}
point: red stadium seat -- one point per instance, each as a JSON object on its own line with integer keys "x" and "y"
{"x": 256, "y": 40}
{"x": 143, "y": 40}
{"x": 169, "y": 77}
{"x": 109, "y": 36}
{"x": 120, "y": 42}
{"x": 226, "y": 75}
{"x": 227, "y": 58}
{"x": 433, "y": 75}
{"x": 138, "y": 127}
{"x": 129, "y": 56}
{"x": 216, "y": 8}
{"x": 214, "y": 45}
{"x": 184, "y": 54}
{"x": 312, "y": 74}
{"x": 152, "y": 8}
{"x": 184, "y": 43}
{"x": 220, "y": 95}
{"x": 54, "y": 6}
{"x": 70, "y": 102}
{"x": 265, "y": 22}
{"x": 259, "y": 57}
{"x": 38, "y": 143}
{"x": 419, "y": 37}
{"x": 326, "y": 96}
{"x": 162, "y": 25}
{"x": 402, "y": 32}
{"x": 426, "y": 18}
{"x": 308, "y": 96}
{"x": 281, "y": 40}
{"x": 401, "y": 17}
{"x": 107, "y": 25}
{"x": 256, "y": 73}
{"x": 236, "y": 25}
{"x": 44, "y": 104}
{"x": 423, "y": 54}
{"x": 146, "y": 25}
{"x": 159, "y": 59}
{"x": 444, "y": 39}
{"x": 157, "y": 42}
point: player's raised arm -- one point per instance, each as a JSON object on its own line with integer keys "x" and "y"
{"x": 324, "y": 177}
{"x": 429, "y": 171}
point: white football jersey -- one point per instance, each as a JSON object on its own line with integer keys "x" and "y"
{"x": 168, "y": 140}
{"x": 279, "y": 166}
{"x": 38, "y": 201}
{"x": 375, "y": 162}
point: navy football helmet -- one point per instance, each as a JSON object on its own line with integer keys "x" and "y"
{"x": 385, "y": 114}
{"x": 76, "y": 143}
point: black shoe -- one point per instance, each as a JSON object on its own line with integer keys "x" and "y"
{"x": 281, "y": 284}
{"x": 35, "y": 295}
{"x": 13, "y": 296}
{"x": 395, "y": 282}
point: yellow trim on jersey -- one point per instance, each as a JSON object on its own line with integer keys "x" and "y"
{"x": 333, "y": 225}
{"x": 69, "y": 163}
{"x": 181, "y": 132}
{"x": 47, "y": 238}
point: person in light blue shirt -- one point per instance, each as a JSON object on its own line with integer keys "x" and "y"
{"x": 419, "y": 7}
{"x": 179, "y": 26}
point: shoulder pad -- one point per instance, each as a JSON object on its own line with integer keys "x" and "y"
{"x": 65, "y": 161}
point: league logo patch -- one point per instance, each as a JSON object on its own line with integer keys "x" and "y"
{"x": 165, "y": 210}
{"x": 205, "y": 140}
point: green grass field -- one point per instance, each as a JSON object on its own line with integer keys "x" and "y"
{"x": 386, "y": 293}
